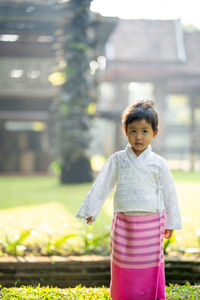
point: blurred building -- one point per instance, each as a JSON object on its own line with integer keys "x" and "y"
{"x": 139, "y": 59}
{"x": 157, "y": 60}
{"x": 27, "y": 38}
{"x": 31, "y": 53}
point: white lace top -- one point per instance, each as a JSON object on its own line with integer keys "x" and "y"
{"x": 143, "y": 184}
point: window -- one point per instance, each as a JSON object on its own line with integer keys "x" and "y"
{"x": 106, "y": 96}
{"x": 197, "y": 116}
{"x": 16, "y": 73}
{"x": 9, "y": 37}
{"x": 140, "y": 90}
{"x": 25, "y": 126}
{"x": 178, "y": 110}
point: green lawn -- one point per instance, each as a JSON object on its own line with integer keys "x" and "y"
{"x": 49, "y": 208}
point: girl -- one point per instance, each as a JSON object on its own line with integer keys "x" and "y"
{"x": 145, "y": 208}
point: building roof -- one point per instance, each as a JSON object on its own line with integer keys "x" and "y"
{"x": 147, "y": 40}
{"x": 149, "y": 50}
{"x": 192, "y": 47}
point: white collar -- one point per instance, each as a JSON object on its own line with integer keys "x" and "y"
{"x": 142, "y": 155}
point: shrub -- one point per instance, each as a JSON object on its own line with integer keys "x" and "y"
{"x": 173, "y": 292}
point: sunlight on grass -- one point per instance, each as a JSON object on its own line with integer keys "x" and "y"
{"x": 45, "y": 206}
{"x": 188, "y": 195}
{"x": 44, "y": 219}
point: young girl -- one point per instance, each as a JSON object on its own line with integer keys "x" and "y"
{"x": 145, "y": 208}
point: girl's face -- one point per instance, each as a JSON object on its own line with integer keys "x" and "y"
{"x": 140, "y": 134}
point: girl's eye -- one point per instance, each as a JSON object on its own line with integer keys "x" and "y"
{"x": 133, "y": 131}
{"x": 144, "y": 131}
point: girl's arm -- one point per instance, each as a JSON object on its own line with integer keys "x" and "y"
{"x": 100, "y": 190}
{"x": 172, "y": 211}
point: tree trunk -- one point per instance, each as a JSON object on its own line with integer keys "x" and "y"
{"x": 73, "y": 120}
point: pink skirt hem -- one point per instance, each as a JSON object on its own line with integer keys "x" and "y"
{"x": 137, "y": 263}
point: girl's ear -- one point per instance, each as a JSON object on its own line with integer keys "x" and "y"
{"x": 124, "y": 131}
{"x": 155, "y": 133}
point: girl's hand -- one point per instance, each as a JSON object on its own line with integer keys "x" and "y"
{"x": 167, "y": 233}
{"x": 89, "y": 220}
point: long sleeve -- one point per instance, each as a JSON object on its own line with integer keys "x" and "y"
{"x": 100, "y": 190}
{"x": 172, "y": 211}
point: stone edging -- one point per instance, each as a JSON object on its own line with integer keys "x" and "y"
{"x": 70, "y": 271}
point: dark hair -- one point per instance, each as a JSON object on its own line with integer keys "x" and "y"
{"x": 141, "y": 110}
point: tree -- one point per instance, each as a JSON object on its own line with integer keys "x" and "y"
{"x": 72, "y": 117}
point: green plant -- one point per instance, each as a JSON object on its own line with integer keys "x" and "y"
{"x": 55, "y": 167}
{"x": 15, "y": 247}
{"x": 187, "y": 291}
{"x": 94, "y": 243}
{"x": 173, "y": 292}
{"x": 53, "y": 246}
{"x": 167, "y": 242}
{"x": 88, "y": 243}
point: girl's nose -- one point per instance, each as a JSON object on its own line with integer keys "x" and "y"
{"x": 139, "y": 136}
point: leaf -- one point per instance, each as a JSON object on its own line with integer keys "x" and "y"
{"x": 63, "y": 239}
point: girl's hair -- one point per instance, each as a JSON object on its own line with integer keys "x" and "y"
{"x": 141, "y": 110}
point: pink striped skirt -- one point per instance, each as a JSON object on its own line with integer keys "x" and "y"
{"x": 137, "y": 262}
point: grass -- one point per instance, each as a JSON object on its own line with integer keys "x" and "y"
{"x": 48, "y": 208}
{"x": 186, "y": 177}
{"x": 23, "y": 293}
{"x": 45, "y": 206}
{"x": 188, "y": 191}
